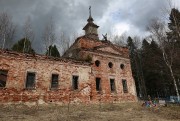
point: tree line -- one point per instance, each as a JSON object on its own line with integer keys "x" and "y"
{"x": 53, "y": 45}
{"x": 156, "y": 63}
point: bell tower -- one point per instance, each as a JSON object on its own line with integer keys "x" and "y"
{"x": 91, "y": 28}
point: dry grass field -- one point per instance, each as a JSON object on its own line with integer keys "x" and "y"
{"x": 103, "y": 112}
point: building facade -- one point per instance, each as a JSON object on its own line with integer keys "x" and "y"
{"x": 91, "y": 70}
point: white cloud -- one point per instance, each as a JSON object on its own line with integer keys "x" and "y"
{"x": 120, "y": 28}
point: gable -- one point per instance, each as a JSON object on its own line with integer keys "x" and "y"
{"x": 108, "y": 49}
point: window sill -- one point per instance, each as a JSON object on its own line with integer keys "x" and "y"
{"x": 3, "y": 88}
{"x": 113, "y": 92}
{"x": 125, "y": 92}
{"x": 29, "y": 88}
{"x": 75, "y": 90}
{"x": 99, "y": 92}
{"x": 54, "y": 89}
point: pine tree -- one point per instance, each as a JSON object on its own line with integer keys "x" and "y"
{"x": 53, "y": 51}
{"x": 21, "y": 47}
{"x": 136, "y": 67}
{"x": 174, "y": 26}
{"x": 132, "y": 50}
{"x": 153, "y": 68}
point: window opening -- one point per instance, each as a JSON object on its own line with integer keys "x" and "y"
{"x": 54, "y": 81}
{"x": 98, "y": 84}
{"x": 3, "y": 78}
{"x": 30, "y": 80}
{"x": 97, "y": 63}
{"x": 112, "y": 85}
{"x": 122, "y": 66}
{"x": 110, "y": 64}
{"x": 75, "y": 82}
{"x": 124, "y": 83}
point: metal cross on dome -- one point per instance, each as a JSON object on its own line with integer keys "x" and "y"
{"x": 89, "y": 10}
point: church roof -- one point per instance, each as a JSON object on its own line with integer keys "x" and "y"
{"x": 90, "y": 21}
{"x": 90, "y": 24}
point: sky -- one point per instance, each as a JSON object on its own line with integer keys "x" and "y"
{"x": 114, "y": 17}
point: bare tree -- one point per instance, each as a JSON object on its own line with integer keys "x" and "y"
{"x": 49, "y": 36}
{"x": 137, "y": 41}
{"x": 7, "y": 30}
{"x": 65, "y": 42}
{"x": 119, "y": 40}
{"x": 158, "y": 29}
{"x": 28, "y": 34}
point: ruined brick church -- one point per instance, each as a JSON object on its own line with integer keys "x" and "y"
{"x": 91, "y": 70}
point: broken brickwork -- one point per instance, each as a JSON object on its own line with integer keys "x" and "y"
{"x": 106, "y": 54}
{"x": 90, "y": 71}
{"x": 89, "y": 90}
{"x": 18, "y": 65}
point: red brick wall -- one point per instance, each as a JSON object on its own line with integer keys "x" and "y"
{"x": 89, "y": 43}
{"x": 106, "y": 73}
{"x": 116, "y": 73}
{"x": 18, "y": 66}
